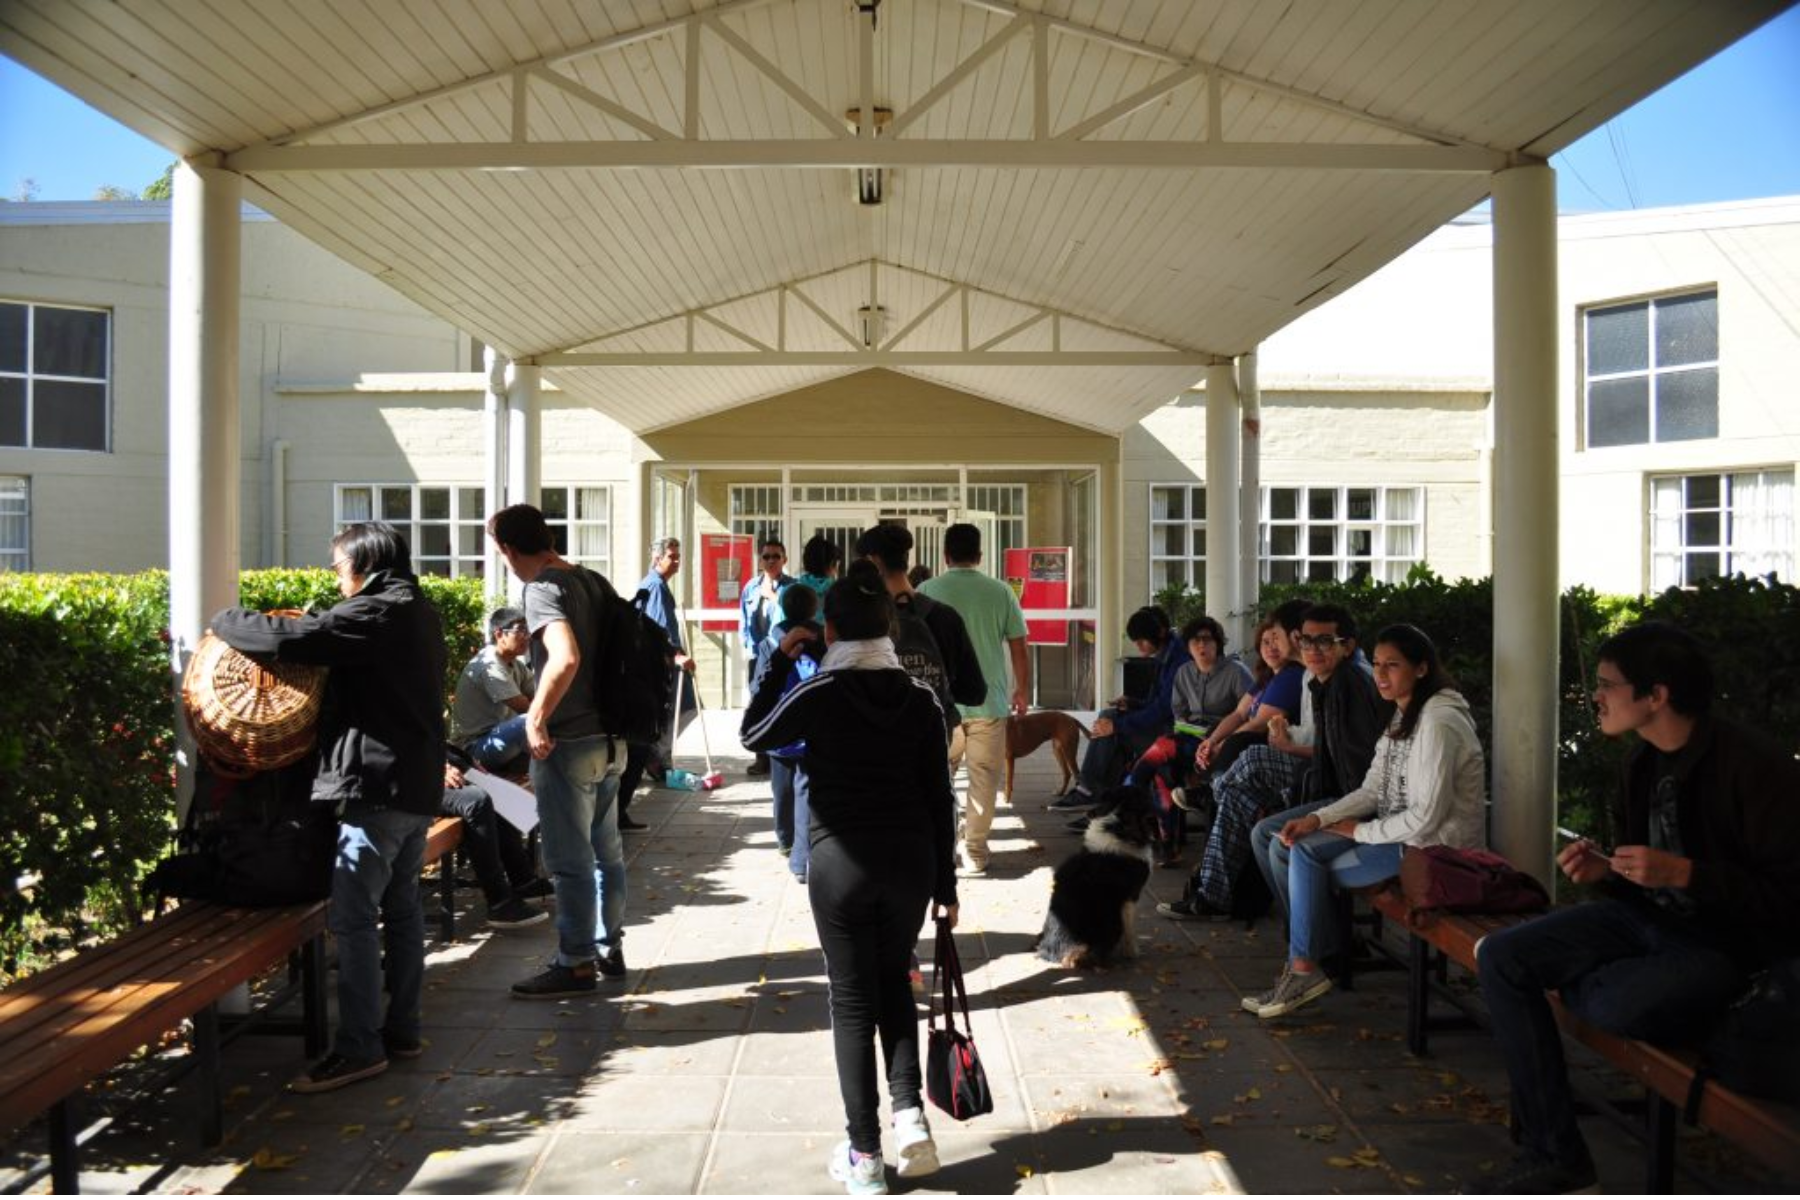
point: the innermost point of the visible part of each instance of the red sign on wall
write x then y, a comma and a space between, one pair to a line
1039, 576
727, 560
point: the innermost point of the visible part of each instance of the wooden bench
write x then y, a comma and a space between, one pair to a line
441, 842
1767, 1130
64, 1027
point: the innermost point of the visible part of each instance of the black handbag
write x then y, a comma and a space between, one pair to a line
954, 1079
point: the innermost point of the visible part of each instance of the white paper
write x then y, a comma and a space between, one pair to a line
510, 800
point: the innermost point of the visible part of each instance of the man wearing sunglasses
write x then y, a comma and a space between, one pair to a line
757, 611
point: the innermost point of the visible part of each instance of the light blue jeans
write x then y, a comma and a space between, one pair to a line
501, 744
1317, 863
576, 787
376, 883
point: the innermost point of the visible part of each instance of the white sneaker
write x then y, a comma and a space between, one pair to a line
968, 866
1254, 1004
915, 1154
1178, 797
1293, 991
860, 1176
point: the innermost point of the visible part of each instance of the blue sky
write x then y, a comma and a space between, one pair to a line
1728, 130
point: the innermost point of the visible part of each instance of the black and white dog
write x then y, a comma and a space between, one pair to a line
1094, 895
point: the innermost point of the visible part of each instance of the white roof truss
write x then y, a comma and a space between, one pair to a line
864, 136
952, 324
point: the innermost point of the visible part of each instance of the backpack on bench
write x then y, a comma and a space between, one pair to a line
255, 841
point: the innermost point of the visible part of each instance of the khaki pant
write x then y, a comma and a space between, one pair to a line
982, 740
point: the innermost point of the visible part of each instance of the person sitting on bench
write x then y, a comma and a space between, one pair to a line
1129, 728
1701, 890
493, 694
503, 864
1425, 787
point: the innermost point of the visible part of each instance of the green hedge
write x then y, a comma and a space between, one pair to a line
1751, 627
86, 739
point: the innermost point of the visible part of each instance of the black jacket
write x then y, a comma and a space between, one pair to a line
381, 734
1349, 716
1739, 812
876, 763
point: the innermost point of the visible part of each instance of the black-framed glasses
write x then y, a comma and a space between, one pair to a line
773, 557
1323, 641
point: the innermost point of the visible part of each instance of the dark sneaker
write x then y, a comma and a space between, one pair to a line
537, 888
335, 1071
401, 1047
515, 914
612, 963
1293, 990
556, 982
1534, 1175
1075, 797
1193, 908
628, 825
784, 848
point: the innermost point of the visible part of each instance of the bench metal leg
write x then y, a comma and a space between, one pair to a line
447, 895
1418, 993
1660, 1121
206, 1060
312, 995
65, 1155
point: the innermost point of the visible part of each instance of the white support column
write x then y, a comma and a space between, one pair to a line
493, 431
1223, 430
1249, 498
1109, 590
204, 454
524, 453
1527, 617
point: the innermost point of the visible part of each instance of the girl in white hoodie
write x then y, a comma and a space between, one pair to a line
1425, 787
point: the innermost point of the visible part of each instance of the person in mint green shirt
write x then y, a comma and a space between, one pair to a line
996, 624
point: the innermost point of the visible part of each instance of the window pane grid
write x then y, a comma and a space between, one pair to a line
443, 523
1318, 534
55, 391
1652, 371
15, 524
1702, 526
581, 530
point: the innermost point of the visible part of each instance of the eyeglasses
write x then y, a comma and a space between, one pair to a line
1602, 685
773, 557
1323, 641
519, 628
1203, 637
340, 564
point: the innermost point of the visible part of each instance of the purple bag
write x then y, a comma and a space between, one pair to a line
1438, 879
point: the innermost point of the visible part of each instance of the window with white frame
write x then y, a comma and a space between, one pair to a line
442, 522
756, 511
1177, 536
1652, 370
580, 520
1739, 522
1307, 534
53, 376
1007, 502
15, 523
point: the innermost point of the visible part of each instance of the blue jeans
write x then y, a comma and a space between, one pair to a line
1617, 964
1318, 862
501, 744
793, 809
1098, 762
376, 883
583, 851
1270, 856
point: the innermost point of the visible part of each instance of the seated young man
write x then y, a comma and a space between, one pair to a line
1127, 729
503, 866
493, 694
1347, 717
1701, 890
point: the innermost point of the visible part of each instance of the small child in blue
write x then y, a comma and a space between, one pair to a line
787, 774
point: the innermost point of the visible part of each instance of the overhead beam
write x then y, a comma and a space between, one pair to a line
846, 152
878, 358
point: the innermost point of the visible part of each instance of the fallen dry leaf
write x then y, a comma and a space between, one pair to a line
266, 1159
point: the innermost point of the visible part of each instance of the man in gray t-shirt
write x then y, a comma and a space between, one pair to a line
493, 694
574, 768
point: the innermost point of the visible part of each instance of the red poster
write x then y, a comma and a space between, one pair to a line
1039, 576
726, 561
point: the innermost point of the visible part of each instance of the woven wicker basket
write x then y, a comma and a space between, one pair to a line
251, 716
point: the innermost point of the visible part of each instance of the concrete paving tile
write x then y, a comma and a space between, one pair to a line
666, 1054
1104, 1100
622, 1163
1259, 1098
1122, 1158
800, 1056
535, 1052
600, 1011
723, 1018
283, 1159
440, 1162
792, 1008
1429, 1158
1274, 1159
638, 1102
390, 1096
502, 1104
758, 1163
772, 1104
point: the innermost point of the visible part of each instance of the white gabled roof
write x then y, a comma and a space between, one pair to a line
1179, 180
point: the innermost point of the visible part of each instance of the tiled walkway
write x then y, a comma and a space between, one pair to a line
710, 1070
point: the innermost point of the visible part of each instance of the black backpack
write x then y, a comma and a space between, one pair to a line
253, 842
917, 649
631, 671
1755, 1048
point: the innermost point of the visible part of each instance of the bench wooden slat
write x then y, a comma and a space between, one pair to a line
83, 1031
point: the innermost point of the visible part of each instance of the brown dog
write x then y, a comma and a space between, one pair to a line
1025, 734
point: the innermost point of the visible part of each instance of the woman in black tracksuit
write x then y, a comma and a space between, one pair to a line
882, 827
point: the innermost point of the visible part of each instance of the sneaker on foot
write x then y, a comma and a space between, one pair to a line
631, 825
612, 963
970, 865
1253, 1004
800, 878
1294, 990
335, 1071
1178, 797
515, 913
535, 888
556, 982
784, 848
1192, 908
861, 1174
401, 1047
915, 1154
1075, 797
1531, 1174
